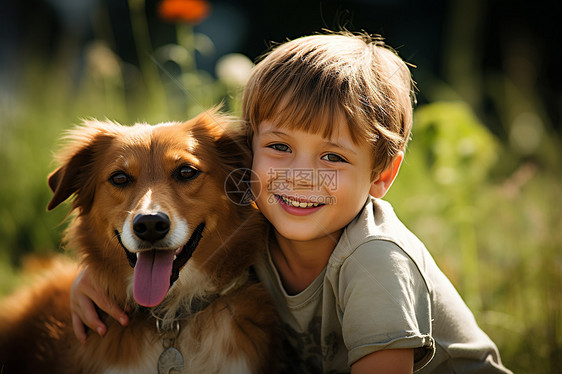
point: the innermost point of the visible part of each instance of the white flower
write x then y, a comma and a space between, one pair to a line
234, 69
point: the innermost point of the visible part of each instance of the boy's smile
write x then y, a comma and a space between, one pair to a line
311, 187
298, 207
296, 202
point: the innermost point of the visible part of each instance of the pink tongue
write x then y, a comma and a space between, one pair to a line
152, 277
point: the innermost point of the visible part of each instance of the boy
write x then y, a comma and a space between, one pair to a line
329, 117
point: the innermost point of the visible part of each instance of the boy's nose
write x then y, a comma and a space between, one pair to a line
303, 178
303, 172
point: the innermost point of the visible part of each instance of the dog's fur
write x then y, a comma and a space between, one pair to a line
116, 173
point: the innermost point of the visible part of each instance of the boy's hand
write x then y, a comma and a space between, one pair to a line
84, 297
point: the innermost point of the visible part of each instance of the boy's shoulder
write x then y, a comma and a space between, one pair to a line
377, 221
376, 234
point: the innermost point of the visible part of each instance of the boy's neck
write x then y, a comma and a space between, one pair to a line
300, 262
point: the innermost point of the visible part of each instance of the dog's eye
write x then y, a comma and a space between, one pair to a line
185, 173
120, 179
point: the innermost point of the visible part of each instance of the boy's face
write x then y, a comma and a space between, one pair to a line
311, 186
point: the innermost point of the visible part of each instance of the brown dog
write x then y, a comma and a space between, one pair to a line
158, 231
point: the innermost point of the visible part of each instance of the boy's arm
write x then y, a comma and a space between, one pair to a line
390, 361
84, 297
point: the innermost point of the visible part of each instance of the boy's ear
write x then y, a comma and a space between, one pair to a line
382, 183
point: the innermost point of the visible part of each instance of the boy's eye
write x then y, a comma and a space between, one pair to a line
279, 147
332, 157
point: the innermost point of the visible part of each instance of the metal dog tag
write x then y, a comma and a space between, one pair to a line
170, 361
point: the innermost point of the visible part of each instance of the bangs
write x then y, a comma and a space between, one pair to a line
315, 83
314, 105
309, 113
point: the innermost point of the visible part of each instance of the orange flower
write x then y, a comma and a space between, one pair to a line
193, 11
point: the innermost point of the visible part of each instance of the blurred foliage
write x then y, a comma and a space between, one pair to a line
491, 218
488, 209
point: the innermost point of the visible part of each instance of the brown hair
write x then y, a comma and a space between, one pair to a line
310, 82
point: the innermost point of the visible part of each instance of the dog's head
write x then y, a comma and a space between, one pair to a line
153, 198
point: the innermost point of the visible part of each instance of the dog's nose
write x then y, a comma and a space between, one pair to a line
151, 227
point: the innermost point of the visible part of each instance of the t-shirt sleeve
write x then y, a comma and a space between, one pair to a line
385, 303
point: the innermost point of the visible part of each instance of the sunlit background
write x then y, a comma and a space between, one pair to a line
481, 185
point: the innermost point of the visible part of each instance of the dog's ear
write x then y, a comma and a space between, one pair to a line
229, 135
68, 178
235, 155
77, 158
233, 147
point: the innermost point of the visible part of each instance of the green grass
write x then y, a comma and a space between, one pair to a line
491, 219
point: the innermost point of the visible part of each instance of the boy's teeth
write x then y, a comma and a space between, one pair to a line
298, 204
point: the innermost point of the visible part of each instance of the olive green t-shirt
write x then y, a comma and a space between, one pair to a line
380, 290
